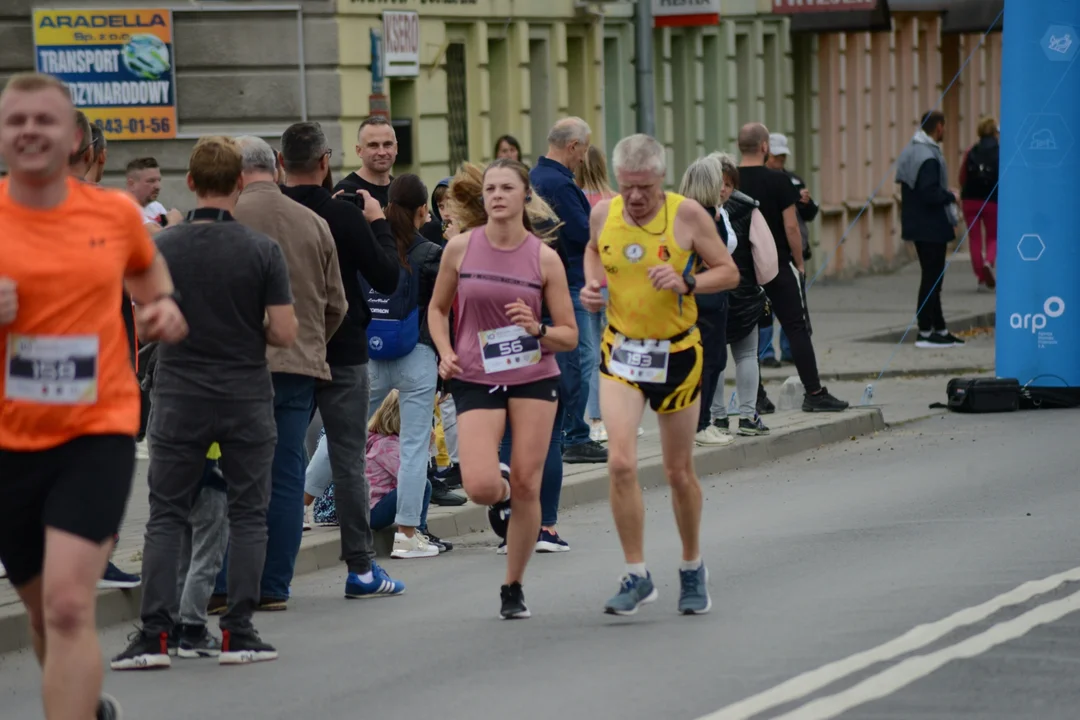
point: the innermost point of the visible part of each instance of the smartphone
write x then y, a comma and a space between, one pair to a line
355, 198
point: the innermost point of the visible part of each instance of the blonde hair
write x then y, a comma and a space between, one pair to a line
987, 127
215, 166
33, 82
592, 175
465, 203
703, 181
387, 419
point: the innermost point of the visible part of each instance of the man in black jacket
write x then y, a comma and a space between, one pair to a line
376, 146
928, 218
366, 249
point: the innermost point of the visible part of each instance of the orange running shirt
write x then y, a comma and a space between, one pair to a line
66, 370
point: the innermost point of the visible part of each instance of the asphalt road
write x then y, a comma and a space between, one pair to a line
813, 560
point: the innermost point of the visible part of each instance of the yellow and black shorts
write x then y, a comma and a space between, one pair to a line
683, 383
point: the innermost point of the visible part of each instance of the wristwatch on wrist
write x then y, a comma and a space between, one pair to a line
691, 283
542, 332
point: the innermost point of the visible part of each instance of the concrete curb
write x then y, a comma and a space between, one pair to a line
957, 324
321, 547
779, 375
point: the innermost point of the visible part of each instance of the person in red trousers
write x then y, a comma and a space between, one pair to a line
979, 193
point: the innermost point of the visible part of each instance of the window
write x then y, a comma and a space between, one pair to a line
499, 79
715, 107
457, 116
744, 76
685, 114
614, 101
577, 74
774, 101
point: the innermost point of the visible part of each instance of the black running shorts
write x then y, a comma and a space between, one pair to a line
80, 487
474, 396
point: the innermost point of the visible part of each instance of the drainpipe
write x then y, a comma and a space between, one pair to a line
643, 68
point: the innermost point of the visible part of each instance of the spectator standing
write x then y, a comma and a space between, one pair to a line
377, 148
508, 146
806, 211
553, 180
592, 178
777, 199
928, 218
365, 249
214, 386
315, 278
978, 196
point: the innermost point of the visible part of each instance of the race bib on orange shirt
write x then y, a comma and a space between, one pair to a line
52, 370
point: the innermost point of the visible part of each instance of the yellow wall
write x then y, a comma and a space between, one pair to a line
527, 63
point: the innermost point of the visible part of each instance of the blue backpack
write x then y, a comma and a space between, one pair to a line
395, 319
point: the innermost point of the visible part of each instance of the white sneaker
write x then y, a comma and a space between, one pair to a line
713, 436
640, 431
3, 571
417, 546
598, 433
309, 516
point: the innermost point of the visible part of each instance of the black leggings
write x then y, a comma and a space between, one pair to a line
932, 261
712, 320
786, 297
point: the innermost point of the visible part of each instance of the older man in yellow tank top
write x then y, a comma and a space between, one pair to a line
657, 249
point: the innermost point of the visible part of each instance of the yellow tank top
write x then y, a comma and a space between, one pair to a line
635, 307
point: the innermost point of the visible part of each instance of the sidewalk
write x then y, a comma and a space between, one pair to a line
844, 315
857, 325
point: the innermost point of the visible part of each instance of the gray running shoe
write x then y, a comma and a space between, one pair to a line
634, 592
197, 642
109, 708
694, 591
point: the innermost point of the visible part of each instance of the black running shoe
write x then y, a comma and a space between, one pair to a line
442, 495
109, 708
752, 427
513, 602
197, 642
585, 453
452, 476
822, 402
770, 362
144, 652
443, 545
765, 406
499, 513
936, 340
243, 648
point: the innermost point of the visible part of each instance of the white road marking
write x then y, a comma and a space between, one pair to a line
914, 639
913, 668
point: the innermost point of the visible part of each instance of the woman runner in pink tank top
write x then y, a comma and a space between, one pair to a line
502, 362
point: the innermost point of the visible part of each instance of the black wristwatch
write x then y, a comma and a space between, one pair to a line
691, 283
543, 331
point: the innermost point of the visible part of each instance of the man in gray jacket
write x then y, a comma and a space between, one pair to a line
928, 218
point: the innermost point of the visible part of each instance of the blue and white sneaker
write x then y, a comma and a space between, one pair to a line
499, 513
634, 592
114, 577
501, 550
694, 591
381, 585
550, 542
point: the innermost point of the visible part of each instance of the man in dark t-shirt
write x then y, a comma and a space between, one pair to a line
777, 198
214, 386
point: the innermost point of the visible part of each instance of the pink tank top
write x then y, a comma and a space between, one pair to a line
491, 350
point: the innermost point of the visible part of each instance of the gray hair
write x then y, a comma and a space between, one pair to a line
303, 146
639, 153
703, 181
258, 155
727, 162
568, 130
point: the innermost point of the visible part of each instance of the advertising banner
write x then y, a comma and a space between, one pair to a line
118, 65
1038, 292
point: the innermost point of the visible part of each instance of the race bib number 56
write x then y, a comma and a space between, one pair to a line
640, 361
507, 348
52, 370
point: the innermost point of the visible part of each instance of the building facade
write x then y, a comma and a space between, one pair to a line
847, 87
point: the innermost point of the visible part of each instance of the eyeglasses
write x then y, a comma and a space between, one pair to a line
328, 153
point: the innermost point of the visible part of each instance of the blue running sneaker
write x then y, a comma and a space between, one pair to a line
499, 513
634, 592
694, 591
381, 585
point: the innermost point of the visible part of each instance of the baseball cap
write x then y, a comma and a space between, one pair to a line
778, 144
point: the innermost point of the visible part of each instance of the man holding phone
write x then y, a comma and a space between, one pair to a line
377, 148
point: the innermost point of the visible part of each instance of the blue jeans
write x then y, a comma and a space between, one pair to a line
384, 514
551, 480
577, 368
765, 342
294, 396
597, 323
414, 376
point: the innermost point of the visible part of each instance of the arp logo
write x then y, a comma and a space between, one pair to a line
1053, 307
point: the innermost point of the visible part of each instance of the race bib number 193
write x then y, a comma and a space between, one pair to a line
53, 370
640, 361
507, 348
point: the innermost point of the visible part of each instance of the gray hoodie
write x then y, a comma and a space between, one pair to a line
922, 148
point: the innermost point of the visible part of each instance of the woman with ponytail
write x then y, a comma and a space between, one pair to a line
500, 365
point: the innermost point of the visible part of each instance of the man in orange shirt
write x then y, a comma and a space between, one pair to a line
69, 402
